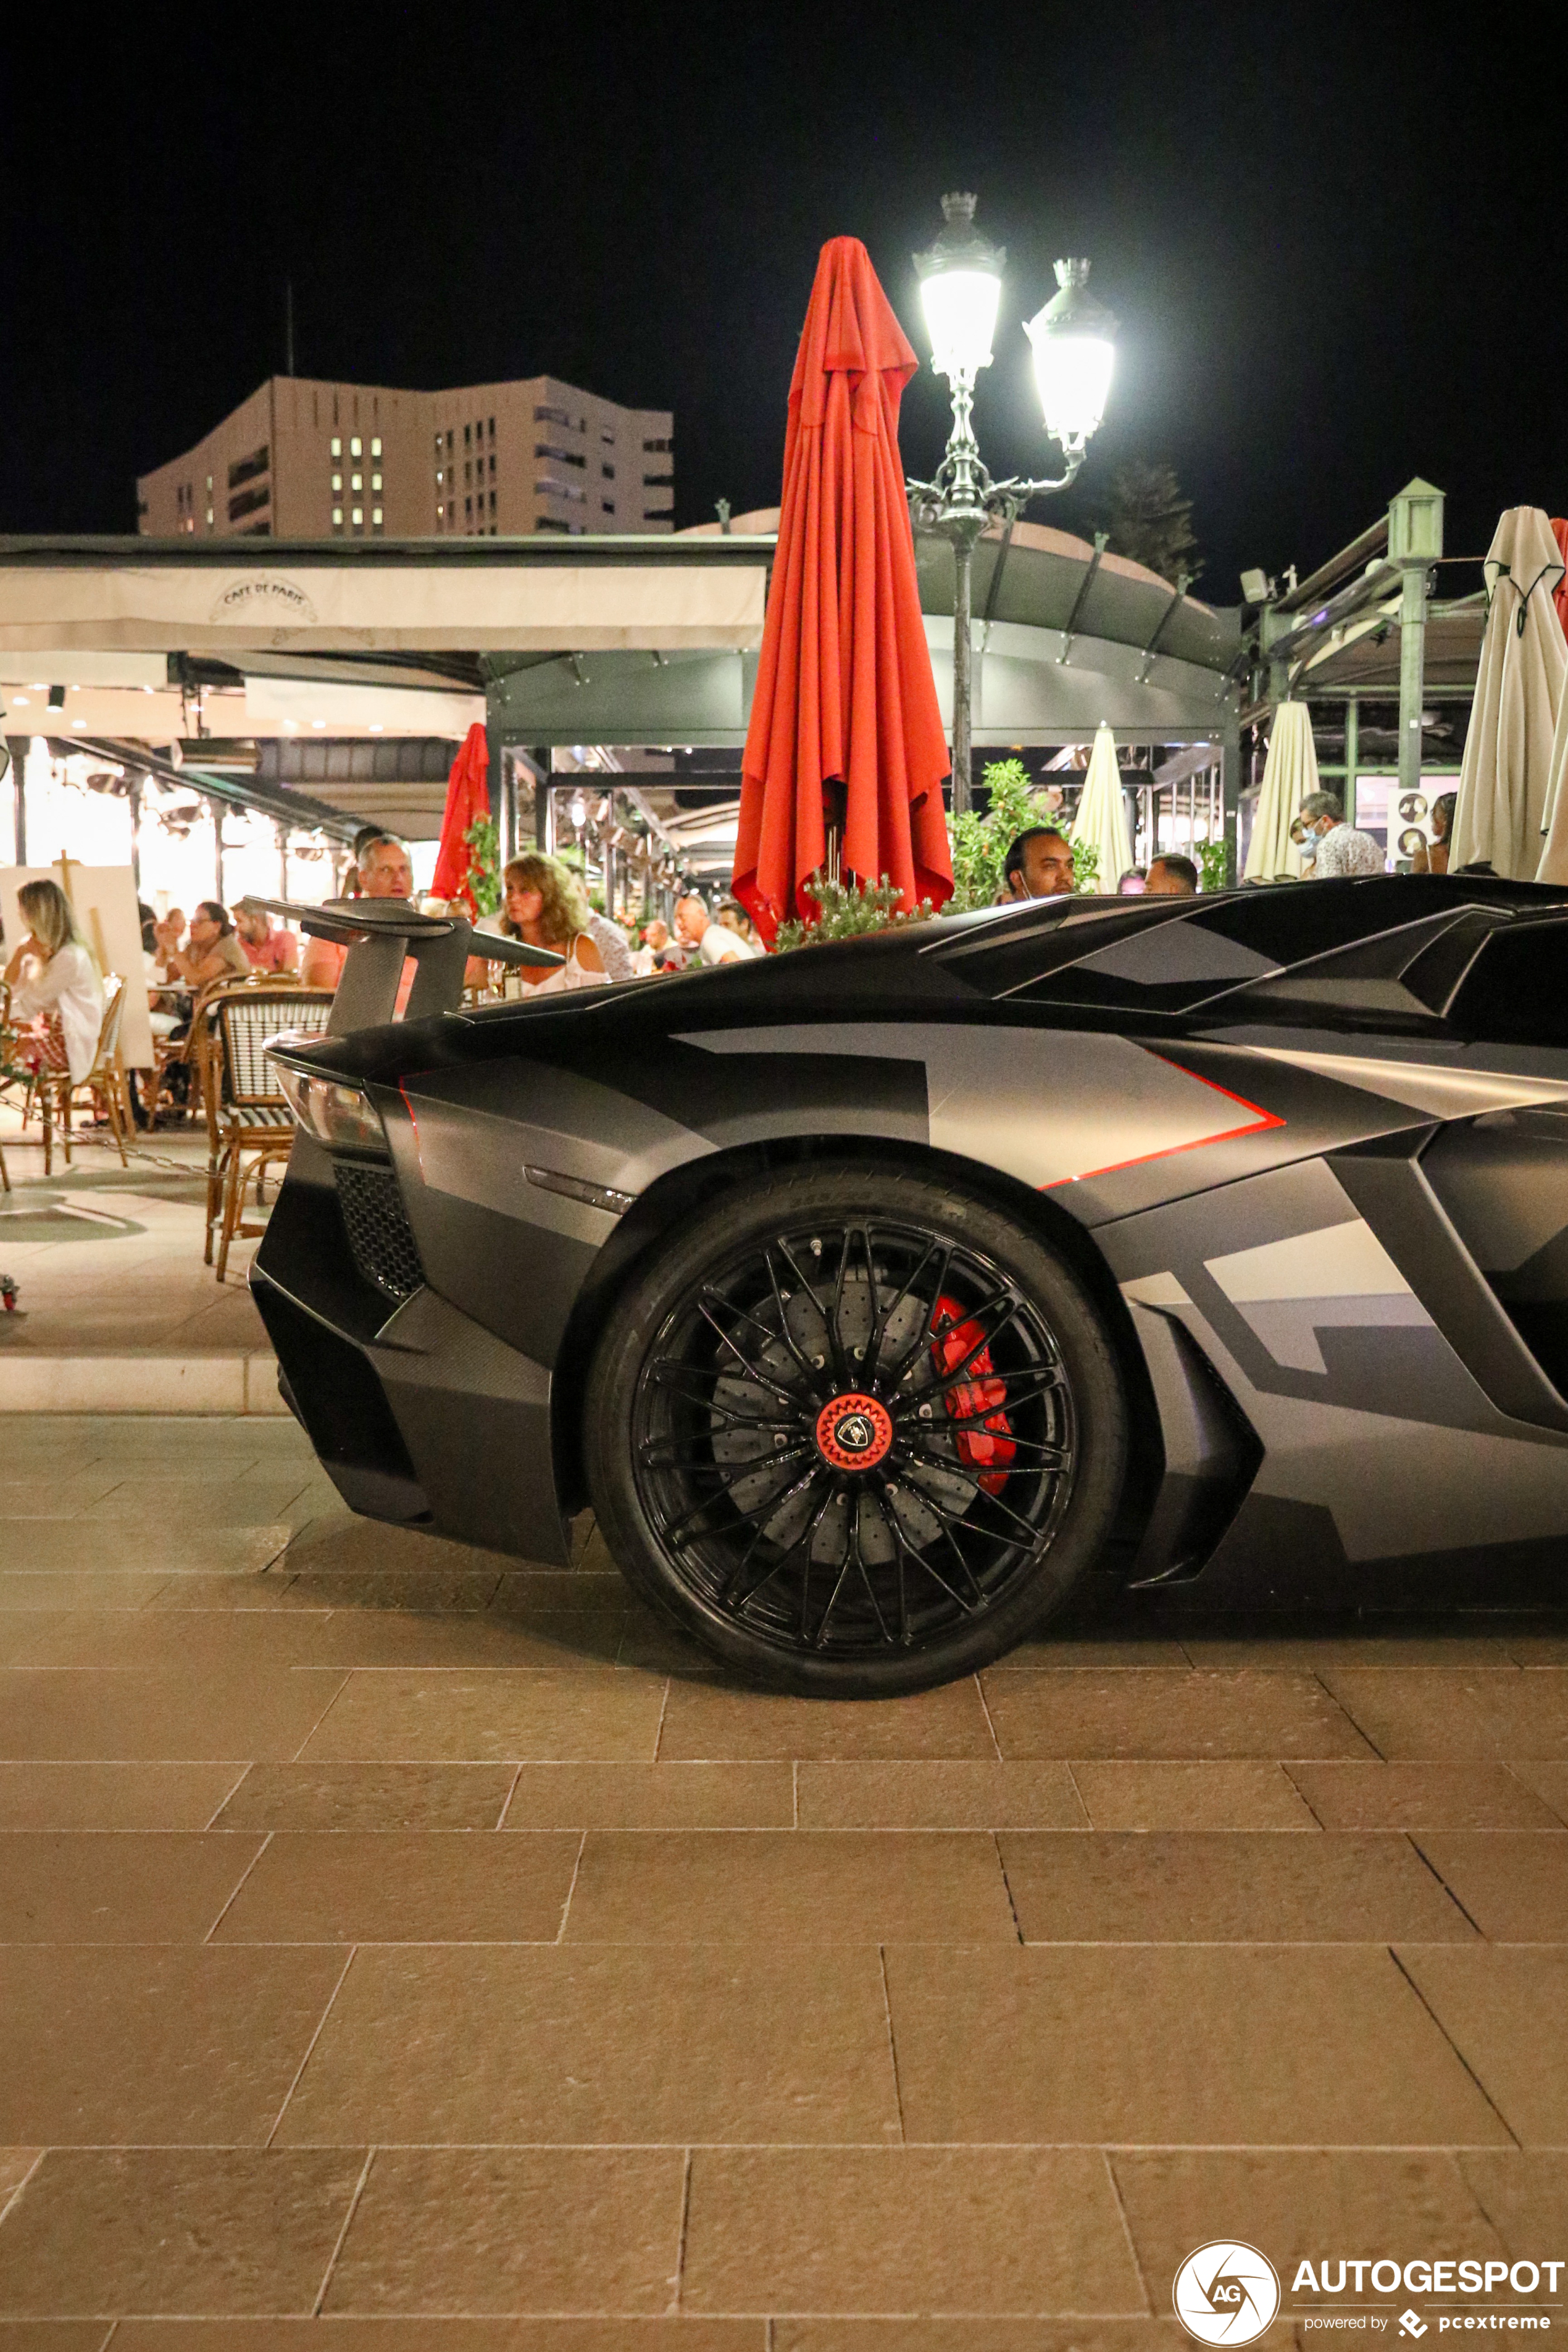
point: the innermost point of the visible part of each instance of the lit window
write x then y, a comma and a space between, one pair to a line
337, 446
356, 482
359, 518
357, 447
439, 438
375, 481
439, 477
209, 517
440, 510
337, 481
375, 446
209, 481
376, 517
337, 518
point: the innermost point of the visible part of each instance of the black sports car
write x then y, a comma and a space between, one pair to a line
877, 1295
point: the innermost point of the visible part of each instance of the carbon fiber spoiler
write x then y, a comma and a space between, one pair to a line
380, 934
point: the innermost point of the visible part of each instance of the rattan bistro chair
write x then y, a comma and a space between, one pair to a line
57, 1089
250, 1125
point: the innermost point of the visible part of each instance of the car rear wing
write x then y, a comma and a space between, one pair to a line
380, 934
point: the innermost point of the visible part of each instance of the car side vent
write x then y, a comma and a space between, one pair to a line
380, 1234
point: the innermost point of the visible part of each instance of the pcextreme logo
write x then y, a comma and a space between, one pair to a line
1226, 2292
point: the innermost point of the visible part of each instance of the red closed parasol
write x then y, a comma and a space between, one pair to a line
468, 804
844, 693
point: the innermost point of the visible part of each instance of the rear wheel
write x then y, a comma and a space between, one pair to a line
855, 1432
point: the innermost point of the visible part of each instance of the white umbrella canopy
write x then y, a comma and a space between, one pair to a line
1505, 782
1290, 777
1102, 816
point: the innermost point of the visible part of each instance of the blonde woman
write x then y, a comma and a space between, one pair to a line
61, 997
544, 904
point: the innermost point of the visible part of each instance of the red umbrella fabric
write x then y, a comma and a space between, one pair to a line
1559, 594
468, 802
845, 692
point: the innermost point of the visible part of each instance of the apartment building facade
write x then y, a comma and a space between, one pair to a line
306, 459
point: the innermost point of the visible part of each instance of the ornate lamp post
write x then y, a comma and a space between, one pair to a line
961, 283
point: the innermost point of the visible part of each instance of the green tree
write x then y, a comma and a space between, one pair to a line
980, 844
1151, 521
483, 838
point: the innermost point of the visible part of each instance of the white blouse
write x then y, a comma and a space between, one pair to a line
67, 984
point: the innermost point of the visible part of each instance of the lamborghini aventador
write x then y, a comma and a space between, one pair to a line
879, 1296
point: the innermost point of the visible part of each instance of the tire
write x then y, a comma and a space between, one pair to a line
855, 1432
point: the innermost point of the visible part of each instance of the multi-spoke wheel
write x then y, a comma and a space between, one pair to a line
858, 1433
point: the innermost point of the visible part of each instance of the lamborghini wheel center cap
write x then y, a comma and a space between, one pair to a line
853, 1432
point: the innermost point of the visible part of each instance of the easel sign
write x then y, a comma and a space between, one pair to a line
103, 900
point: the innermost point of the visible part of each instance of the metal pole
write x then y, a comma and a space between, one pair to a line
133, 802
1353, 753
17, 745
962, 581
216, 808
1412, 665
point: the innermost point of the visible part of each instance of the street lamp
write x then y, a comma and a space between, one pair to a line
961, 285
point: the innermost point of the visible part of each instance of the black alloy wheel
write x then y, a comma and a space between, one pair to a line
855, 1432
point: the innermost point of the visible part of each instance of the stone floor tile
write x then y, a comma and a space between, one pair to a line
1446, 1716
54, 2335
1473, 1796
514, 2230
716, 1720
1178, 2045
23, 1629
1164, 1793
1548, 1782
86, 1886
1512, 1882
392, 1887
1411, 1648
656, 1647
1184, 1714
373, 1548
189, 1716
545, 1641
1505, 2010
114, 1796
652, 1797
90, 2232
1524, 2197
1298, 2204
87, 1543
341, 2335
793, 1886
1071, 1653
701, 2043
210, 1639
1538, 1648
426, 1590
123, 2044
924, 2230
43, 1497
16, 2164
368, 1797
253, 1500
271, 1588
1237, 1886
524, 1591
998, 2335
82, 1588
484, 1718
938, 1793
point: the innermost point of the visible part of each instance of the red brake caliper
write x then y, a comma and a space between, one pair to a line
985, 1443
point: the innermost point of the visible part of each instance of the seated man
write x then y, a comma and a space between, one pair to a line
267, 948
709, 942
1341, 848
1038, 864
1171, 876
385, 871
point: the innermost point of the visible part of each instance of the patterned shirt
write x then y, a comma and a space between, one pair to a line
1343, 850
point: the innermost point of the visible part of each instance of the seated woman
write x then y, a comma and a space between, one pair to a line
212, 952
56, 990
545, 904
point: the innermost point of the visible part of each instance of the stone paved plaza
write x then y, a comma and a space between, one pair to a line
404, 1948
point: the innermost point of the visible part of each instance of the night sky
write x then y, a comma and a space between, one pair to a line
1331, 235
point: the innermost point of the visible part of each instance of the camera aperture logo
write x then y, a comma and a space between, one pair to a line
1226, 2292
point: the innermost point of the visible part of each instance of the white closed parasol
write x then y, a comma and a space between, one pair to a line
1290, 777
1505, 782
1102, 818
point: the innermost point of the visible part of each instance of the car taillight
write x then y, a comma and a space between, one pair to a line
341, 1116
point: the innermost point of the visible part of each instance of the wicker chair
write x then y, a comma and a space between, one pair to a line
57, 1089
250, 1125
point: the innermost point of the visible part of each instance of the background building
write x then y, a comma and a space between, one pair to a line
303, 460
